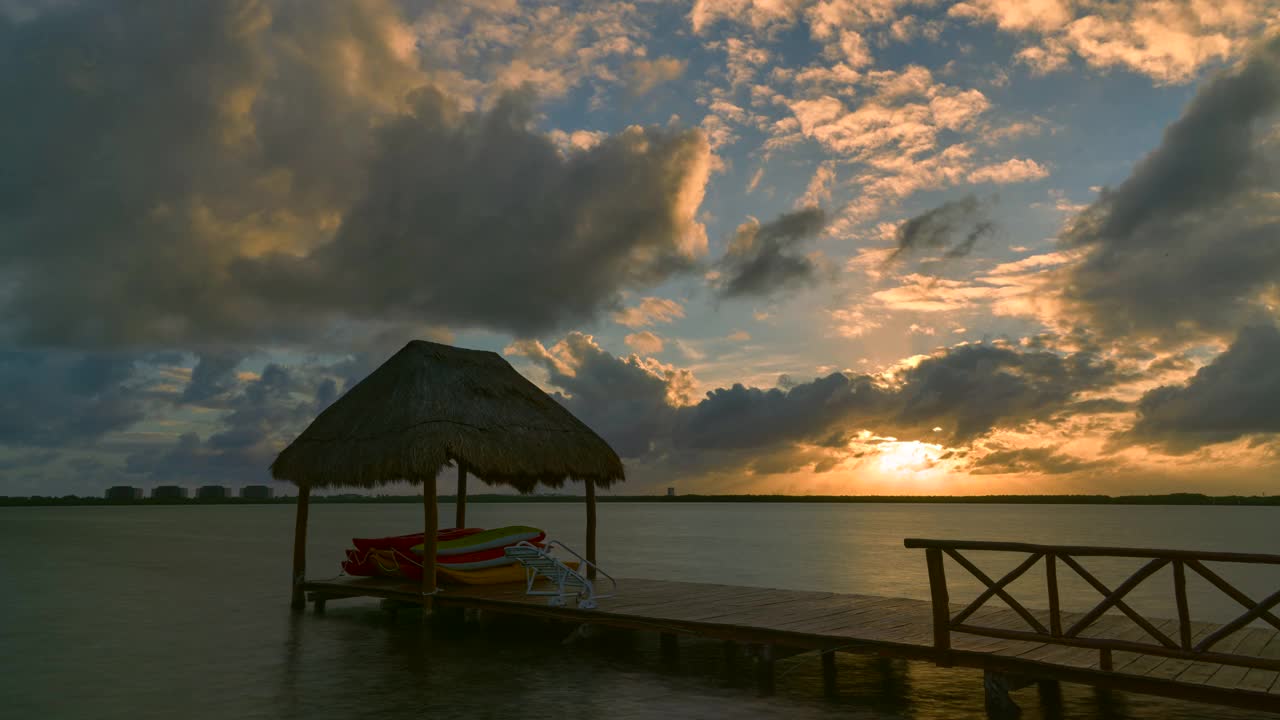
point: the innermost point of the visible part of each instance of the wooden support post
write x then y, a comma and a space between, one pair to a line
460, 514
319, 604
729, 651
591, 529
995, 688
431, 520
298, 601
829, 674
669, 647
1104, 659
764, 670
941, 603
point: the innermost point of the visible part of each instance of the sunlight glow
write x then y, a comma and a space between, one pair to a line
908, 457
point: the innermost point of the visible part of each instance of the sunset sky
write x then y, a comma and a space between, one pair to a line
835, 247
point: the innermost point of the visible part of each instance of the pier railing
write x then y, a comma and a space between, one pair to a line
1189, 644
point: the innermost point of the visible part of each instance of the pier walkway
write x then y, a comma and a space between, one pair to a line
1234, 664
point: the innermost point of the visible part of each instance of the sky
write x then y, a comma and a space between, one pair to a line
791, 246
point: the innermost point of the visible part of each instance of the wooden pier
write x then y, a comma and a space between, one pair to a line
1233, 664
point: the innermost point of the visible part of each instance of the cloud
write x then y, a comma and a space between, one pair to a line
1196, 218
1167, 41
212, 377
650, 311
852, 322
262, 417
649, 74
482, 48
758, 14
906, 113
644, 342
1033, 460
630, 401
555, 239
906, 131
289, 174
819, 189
1013, 16
966, 391
954, 227
762, 259
1236, 395
569, 142
647, 410
1013, 170
57, 399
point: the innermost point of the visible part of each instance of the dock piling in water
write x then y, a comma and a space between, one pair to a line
764, 670
829, 674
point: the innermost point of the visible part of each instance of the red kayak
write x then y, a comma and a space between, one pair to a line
407, 565
403, 543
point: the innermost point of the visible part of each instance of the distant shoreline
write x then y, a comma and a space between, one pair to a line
1171, 499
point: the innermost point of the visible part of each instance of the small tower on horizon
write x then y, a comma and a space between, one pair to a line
671, 492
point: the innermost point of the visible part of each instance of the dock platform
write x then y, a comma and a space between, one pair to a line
776, 619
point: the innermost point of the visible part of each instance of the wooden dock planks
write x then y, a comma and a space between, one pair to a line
898, 627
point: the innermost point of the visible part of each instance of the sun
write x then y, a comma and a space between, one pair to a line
911, 456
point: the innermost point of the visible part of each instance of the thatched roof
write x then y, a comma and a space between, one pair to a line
431, 405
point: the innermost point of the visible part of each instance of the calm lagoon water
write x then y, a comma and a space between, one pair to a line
181, 612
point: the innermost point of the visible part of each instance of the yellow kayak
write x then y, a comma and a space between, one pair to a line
486, 576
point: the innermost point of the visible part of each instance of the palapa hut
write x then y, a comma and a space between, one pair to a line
433, 405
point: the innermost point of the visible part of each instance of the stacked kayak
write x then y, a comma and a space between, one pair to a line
468, 556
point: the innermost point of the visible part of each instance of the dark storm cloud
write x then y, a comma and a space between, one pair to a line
1188, 243
213, 376
476, 220
764, 260
1099, 405
1237, 394
626, 399
741, 417
966, 391
176, 170
264, 414
55, 399
972, 389
954, 226
1041, 460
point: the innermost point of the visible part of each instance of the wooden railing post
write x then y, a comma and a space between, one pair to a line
941, 603
1051, 580
1243, 651
1180, 598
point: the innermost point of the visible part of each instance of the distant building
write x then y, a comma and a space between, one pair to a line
257, 492
169, 492
212, 492
671, 492
124, 492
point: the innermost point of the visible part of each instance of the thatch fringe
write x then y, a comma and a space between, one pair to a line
431, 405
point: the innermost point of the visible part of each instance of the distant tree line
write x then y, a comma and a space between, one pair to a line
1169, 499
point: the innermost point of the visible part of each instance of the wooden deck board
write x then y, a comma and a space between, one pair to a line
1252, 642
890, 626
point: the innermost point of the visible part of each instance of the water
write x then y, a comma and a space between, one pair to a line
164, 612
